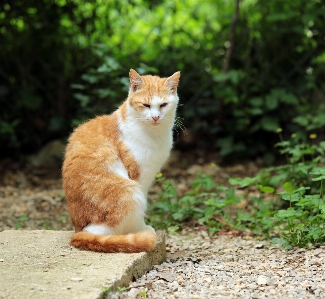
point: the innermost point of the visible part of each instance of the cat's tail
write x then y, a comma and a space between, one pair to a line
130, 243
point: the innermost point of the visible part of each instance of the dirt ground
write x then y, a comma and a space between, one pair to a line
33, 198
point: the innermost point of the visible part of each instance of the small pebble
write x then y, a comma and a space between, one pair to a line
76, 278
259, 246
262, 280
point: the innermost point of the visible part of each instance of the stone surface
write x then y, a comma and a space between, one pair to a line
42, 264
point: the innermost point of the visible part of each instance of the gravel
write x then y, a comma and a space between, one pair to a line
32, 198
230, 267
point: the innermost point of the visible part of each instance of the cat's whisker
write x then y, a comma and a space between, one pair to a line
179, 124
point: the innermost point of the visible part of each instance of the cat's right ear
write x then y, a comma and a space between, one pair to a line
135, 81
172, 81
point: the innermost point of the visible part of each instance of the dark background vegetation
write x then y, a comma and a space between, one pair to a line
247, 69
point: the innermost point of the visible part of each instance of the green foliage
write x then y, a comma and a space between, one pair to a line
66, 61
294, 217
21, 222
310, 120
303, 221
212, 205
44, 224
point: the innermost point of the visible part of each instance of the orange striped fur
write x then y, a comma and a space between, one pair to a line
110, 162
131, 243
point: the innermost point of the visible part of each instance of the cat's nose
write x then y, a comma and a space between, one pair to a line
155, 118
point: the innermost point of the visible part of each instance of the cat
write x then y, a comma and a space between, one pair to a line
112, 160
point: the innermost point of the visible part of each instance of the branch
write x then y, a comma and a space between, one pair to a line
231, 38
229, 52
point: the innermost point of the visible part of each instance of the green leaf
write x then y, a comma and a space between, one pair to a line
322, 208
305, 201
289, 213
256, 101
104, 92
187, 199
23, 218
203, 182
315, 233
301, 120
289, 98
215, 203
243, 182
302, 189
322, 177
255, 111
269, 123
90, 78
231, 75
279, 241
226, 145
103, 69
271, 102
84, 99
221, 77
282, 144
77, 86
245, 217
178, 215
290, 197
288, 187
322, 145
266, 189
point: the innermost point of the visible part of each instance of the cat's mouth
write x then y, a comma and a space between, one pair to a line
155, 122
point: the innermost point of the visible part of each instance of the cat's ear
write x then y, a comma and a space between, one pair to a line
135, 80
172, 81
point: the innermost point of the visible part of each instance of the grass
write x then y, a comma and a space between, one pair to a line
289, 209
21, 222
24, 222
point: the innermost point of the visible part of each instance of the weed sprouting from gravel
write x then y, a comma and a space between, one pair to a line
21, 221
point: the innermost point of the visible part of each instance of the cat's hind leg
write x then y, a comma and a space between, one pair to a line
131, 234
133, 222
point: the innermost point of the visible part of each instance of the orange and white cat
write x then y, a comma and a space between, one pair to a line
112, 160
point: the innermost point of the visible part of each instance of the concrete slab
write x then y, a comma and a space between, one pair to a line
42, 264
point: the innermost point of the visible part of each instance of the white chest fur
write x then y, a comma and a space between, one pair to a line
149, 146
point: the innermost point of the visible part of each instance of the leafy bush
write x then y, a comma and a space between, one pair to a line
65, 61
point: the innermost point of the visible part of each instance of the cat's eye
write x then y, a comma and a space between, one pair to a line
163, 105
146, 105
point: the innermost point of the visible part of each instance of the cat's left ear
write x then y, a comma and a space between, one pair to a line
135, 80
172, 81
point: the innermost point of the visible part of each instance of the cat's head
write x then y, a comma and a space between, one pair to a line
152, 99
